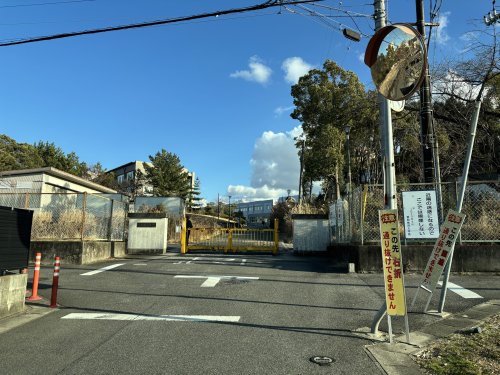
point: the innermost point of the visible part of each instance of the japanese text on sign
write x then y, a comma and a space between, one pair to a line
392, 263
442, 248
420, 214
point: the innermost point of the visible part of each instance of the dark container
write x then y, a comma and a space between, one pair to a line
15, 235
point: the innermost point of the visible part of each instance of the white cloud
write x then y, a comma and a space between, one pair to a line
280, 110
441, 34
294, 68
454, 84
275, 167
247, 193
470, 36
258, 72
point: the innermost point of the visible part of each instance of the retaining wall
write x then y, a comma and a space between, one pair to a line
12, 294
77, 252
466, 258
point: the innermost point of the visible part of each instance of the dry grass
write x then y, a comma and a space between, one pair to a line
465, 354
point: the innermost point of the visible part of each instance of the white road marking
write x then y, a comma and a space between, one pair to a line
101, 269
168, 318
462, 292
212, 281
140, 264
212, 260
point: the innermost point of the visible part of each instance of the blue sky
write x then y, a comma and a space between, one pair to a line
216, 92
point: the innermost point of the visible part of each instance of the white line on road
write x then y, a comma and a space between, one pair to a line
101, 269
168, 318
212, 281
140, 264
462, 292
243, 262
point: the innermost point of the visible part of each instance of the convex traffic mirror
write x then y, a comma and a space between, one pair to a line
397, 57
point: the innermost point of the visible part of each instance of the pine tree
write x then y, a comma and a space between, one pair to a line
193, 201
167, 176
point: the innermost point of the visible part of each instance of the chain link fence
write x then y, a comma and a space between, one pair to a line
71, 216
481, 205
173, 207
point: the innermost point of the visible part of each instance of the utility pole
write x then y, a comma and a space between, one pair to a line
426, 126
301, 169
430, 148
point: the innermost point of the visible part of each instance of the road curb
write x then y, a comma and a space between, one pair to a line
395, 359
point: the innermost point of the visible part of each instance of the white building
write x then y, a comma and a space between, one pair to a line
47, 180
126, 174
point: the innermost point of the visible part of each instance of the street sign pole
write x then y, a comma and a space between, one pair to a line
465, 172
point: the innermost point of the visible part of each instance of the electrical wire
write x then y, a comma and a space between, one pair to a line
326, 20
348, 12
264, 5
51, 3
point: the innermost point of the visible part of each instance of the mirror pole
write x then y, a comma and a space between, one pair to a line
388, 149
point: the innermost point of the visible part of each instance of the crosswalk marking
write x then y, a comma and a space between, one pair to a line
90, 273
212, 281
462, 292
137, 317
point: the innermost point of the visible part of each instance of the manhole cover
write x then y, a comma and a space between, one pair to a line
321, 360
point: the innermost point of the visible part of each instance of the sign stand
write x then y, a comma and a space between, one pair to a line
440, 254
416, 295
407, 328
389, 324
392, 261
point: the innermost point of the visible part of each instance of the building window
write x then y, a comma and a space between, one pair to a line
130, 175
120, 179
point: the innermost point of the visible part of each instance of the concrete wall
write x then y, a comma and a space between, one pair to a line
118, 249
12, 294
466, 258
311, 233
147, 233
76, 252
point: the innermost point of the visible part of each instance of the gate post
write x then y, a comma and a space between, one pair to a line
276, 240
230, 239
183, 236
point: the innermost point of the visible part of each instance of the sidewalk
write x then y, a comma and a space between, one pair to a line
395, 359
33, 310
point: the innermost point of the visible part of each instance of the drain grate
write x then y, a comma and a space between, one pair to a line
321, 360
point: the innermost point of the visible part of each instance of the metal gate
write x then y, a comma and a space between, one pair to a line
229, 239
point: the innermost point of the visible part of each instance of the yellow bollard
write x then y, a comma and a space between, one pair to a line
276, 239
183, 237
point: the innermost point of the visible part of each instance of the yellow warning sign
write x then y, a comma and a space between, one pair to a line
392, 262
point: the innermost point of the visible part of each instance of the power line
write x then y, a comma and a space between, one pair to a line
86, 20
326, 20
51, 3
265, 5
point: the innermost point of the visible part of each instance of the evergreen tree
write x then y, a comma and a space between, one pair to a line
53, 156
167, 176
193, 201
98, 174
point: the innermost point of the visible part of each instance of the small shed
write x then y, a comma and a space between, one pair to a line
311, 233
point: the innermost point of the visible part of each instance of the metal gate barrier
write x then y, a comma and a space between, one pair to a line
229, 239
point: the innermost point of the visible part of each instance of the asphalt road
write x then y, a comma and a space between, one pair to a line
299, 307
